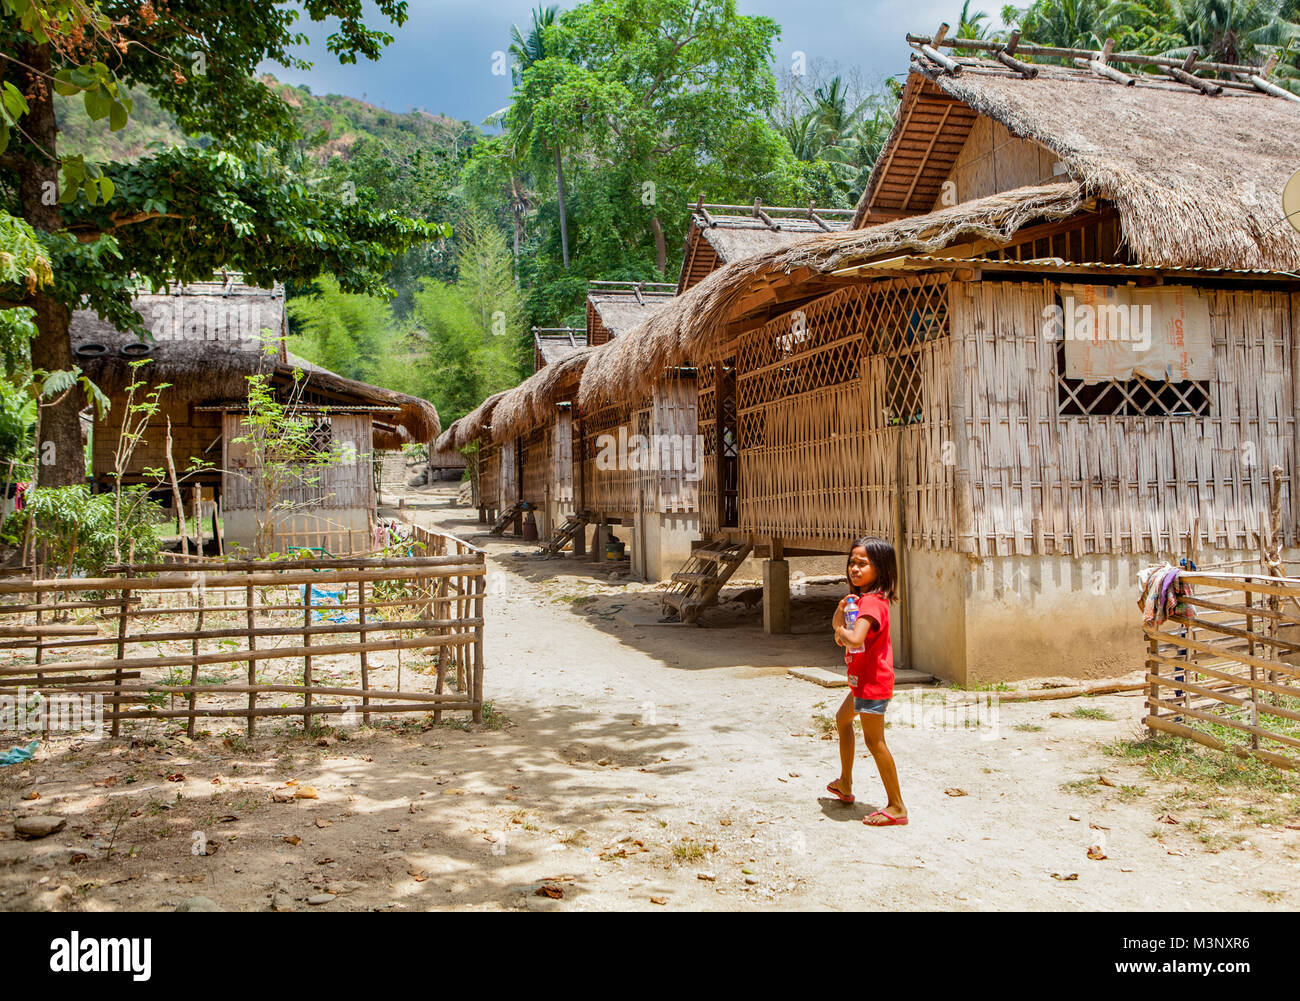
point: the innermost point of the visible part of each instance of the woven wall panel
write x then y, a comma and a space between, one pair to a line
1041, 482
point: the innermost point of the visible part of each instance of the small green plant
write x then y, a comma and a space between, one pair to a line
689, 850
1090, 712
826, 728
1028, 727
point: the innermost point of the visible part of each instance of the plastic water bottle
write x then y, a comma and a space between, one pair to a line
850, 617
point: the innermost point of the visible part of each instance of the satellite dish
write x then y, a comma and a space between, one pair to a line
1291, 200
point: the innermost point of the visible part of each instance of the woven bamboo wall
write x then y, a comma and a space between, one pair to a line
536, 459
610, 491
561, 435
833, 400
707, 421
342, 485
489, 476
509, 490
674, 420
1051, 484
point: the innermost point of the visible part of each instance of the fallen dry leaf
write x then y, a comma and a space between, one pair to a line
418, 875
1065, 877
292, 839
229, 818
323, 860
280, 796
305, 792
554, 892
659, 900
110, 781
323, 823
175, 777
1102, 780
1096, 854
950, 792
32, 795
1168, 819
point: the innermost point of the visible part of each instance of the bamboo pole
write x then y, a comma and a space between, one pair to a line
121, 644
194, 669
64, 584
365, 667
306, 660
250, 599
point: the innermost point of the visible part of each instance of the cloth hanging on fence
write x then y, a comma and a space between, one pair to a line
17, 755
327, 597
1164, 593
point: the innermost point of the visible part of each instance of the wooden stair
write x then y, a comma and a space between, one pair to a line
696, 585
563, 535
507, 516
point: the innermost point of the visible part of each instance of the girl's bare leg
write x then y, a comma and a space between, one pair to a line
844, 726
873, 729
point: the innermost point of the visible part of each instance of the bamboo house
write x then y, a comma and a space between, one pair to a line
958, 373
207, 339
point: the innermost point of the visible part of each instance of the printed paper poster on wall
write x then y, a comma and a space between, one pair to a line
1117, 332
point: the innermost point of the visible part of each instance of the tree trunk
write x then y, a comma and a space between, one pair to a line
661, 249
564, 225
60, 460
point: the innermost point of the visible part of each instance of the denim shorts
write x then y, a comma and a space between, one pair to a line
876, 706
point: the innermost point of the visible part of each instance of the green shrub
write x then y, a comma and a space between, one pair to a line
73, 528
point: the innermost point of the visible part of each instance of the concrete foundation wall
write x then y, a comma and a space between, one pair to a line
667, 542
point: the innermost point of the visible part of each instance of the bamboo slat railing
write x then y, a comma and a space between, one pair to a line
1229, 676
323, 631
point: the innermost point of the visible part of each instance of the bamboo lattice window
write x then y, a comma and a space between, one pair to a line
611, 490
1136, 397
833, 402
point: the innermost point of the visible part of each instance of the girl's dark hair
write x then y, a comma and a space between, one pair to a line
881, 555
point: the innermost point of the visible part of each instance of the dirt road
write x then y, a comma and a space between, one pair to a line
646, 766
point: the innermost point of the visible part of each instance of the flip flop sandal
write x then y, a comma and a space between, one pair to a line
830, 788
890, 821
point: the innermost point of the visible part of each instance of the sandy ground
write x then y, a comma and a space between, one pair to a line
641, 766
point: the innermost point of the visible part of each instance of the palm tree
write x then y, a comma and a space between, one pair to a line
1229, 31
527, 50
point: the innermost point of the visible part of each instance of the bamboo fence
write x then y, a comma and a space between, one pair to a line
1229, 677
202, 639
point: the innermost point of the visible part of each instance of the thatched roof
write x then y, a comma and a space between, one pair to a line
737, 236
1197, 180
475, 425
206, 346
629, 366
620, 311
533, 401
553, 345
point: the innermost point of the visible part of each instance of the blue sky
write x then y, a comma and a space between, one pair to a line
442, 57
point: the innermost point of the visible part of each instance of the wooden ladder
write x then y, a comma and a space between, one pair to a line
506, 517
563, 535
696, 585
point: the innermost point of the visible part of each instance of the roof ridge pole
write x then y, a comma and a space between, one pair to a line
1101, 66
815, 217
935, 56
1195, 82
758, 211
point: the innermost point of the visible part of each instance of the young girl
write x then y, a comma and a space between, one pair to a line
872, 574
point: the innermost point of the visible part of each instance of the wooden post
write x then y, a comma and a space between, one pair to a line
1254, 669
250, 599
480, 588
900, 550
198, 516
40, 643
177, 500
365, 667
121, 647
194, 668
306, 660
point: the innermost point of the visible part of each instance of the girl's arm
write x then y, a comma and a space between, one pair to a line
856, 636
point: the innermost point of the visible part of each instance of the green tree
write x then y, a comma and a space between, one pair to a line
182, 213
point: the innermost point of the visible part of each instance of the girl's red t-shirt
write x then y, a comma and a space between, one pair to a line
871, 672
